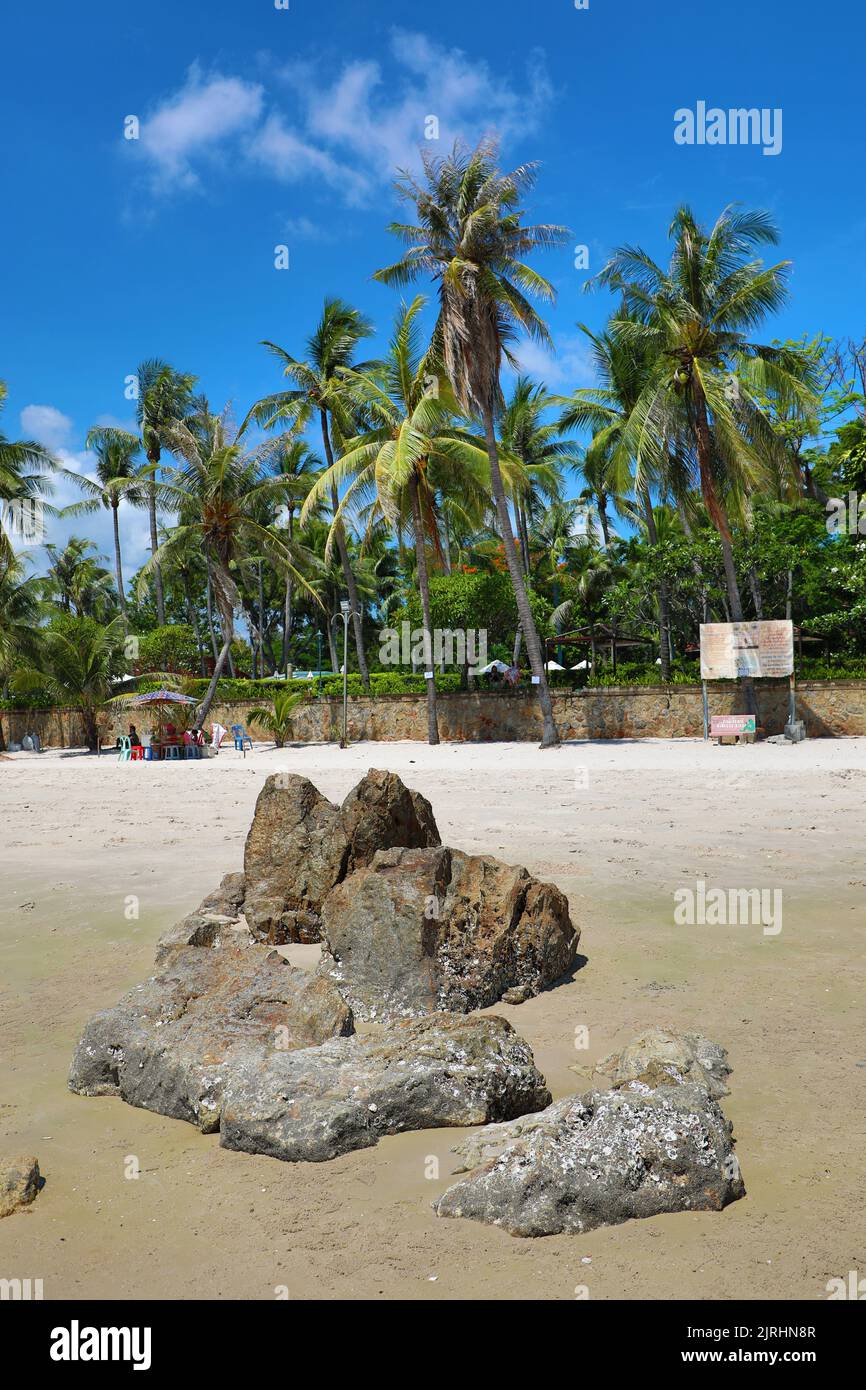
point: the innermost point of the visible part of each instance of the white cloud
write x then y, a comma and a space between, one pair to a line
46, 424
200, 120
566, 370
350, 131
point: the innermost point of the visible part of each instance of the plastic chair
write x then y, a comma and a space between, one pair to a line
125, 749
137, 753
171, 750
241, 737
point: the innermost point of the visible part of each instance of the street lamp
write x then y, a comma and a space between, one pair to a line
344, 613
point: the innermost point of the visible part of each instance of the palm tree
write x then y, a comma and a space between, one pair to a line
295, 461
410, 407
317, 392
469, 237
610, 471
692, 322
164, 396
78, 580
23, 464
115, 451
75, 664
278, 721
19, 613
216, 491
542, 452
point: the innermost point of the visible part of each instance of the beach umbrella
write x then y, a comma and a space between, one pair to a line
581, 666
160, 700
554, 666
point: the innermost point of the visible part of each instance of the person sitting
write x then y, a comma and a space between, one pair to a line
170, 734
134, 740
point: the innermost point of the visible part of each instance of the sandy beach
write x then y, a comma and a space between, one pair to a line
100, 857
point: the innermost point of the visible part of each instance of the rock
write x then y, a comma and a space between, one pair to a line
300, 845
218, 919
296, 850
658, 1057
345, 1094
19, 1183
598, 1160
424, 929
382, 813
172, 1043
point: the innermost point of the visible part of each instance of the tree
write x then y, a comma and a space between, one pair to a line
115, 451
77, 579
296, 462
19, 609
216, 492
75, 664
692, 324
278, 721
165, 396
317, 393
23, 465
410, 407
470, 238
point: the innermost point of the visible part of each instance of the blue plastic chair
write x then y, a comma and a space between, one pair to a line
241, 737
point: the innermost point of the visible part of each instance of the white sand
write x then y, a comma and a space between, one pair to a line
619, 827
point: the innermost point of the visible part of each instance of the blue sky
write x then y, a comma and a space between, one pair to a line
262, 126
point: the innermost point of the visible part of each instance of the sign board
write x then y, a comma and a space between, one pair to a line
729, 650
723, 725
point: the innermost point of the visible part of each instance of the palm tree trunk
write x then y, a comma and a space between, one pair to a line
349, 577
118, 566
203, 710
424, 587
261, 602
602, 516
550, 736
332, 648
663, 594
210, 623
154, 547
287, 610
192, 619
719, 517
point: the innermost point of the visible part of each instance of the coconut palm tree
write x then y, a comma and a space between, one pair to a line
296, 462
75, 664
470, 238
19, 614
542, 451
278, 721
77, 580
216, 491
116, 470
610, 471
692, 323
317, 393
23, 466
410, 408
164, 396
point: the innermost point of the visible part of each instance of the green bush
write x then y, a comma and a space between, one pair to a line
169, 648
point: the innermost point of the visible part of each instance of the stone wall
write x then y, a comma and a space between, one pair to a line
830, 709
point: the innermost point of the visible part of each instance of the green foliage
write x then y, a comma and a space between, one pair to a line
169, 648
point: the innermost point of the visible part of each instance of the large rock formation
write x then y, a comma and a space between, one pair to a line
300, 845
347, 1093
19, 1183
598, 1160
425, 929
658, 1141
172, 1042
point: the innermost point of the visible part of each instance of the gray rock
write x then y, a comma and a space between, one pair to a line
19, 1183
424, 929
658, 1057
296, 850
218, 919
171, 1043
382, 813
598, 1160
300, 845
324, 1101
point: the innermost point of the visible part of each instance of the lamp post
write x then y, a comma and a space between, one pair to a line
345, 613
